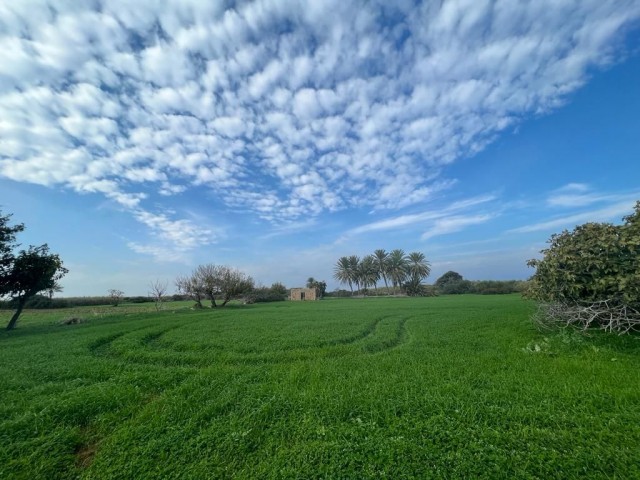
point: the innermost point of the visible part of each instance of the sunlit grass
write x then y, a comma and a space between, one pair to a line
449, 387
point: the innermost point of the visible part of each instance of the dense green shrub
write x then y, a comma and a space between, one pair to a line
498, 287
591, 275
276, 293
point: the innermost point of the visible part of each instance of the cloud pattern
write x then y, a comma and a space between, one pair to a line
283, 109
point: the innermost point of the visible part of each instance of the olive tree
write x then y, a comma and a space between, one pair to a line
211, 281
590, 276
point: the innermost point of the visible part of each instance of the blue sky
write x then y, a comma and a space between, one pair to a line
141, 139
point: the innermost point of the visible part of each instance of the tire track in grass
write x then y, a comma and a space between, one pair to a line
398, 338
383, 333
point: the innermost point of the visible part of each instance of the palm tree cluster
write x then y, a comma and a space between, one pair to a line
392, 267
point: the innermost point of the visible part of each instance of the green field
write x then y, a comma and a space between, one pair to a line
447, 387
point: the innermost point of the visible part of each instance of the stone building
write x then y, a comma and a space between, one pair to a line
298, 294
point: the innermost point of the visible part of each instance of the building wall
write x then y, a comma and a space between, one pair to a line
299, 294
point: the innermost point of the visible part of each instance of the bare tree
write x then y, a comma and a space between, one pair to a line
116, 296
157, 291
191, 287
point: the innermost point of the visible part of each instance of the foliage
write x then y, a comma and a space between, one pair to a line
29, 272
211, 281
452, 283
592, 264
276, 293
319, 286
279, 289
7, 245
448, 277
403, 271
414, 287
449, 387
498, 287
343, 272
190, 286
397, 268
367, 273
380, 257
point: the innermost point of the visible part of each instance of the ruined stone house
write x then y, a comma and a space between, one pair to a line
301, 294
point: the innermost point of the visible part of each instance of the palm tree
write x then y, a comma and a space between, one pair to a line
55, 288
368, 272
354, 271
342, 272
381, 256
418, 266
397, 268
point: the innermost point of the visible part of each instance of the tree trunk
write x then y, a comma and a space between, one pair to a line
385, 284
213, 302
14, 319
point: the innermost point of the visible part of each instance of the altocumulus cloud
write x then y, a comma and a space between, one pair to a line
279, 107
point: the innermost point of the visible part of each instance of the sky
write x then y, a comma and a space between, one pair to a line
141, 139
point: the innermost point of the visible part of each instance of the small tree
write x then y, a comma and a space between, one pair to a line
448, 277
30, 272
115, 296
157, 291
191, 287
233, 283
211, 281
208, 277
453, 283
34, 270
278, 288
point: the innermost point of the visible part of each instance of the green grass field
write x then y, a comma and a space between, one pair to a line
447, 387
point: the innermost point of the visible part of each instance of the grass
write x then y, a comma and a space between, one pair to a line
448, 387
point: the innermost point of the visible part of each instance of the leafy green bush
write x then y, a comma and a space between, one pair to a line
591, 275
266, 295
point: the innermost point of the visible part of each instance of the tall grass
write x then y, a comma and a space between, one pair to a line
447, 387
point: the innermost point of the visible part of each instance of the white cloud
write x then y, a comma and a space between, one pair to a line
455, 223
444, 220
576, 195
282, 109
609, 213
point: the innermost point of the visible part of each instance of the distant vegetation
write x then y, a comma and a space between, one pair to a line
405, 272
452, 283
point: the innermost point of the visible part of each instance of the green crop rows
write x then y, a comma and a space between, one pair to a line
448, 387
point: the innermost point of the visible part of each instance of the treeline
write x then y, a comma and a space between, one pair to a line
45, 302
452, 283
